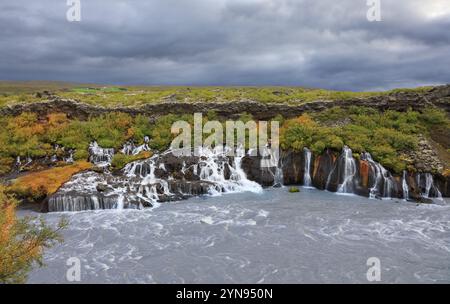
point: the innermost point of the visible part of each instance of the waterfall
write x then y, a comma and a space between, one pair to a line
272, 162
348, 172
212, 169
429, 189
428, 184
278, 176
148, 182
120, 202
70, 158
307, 175
405, 186
383, 184
99, 155
129, 148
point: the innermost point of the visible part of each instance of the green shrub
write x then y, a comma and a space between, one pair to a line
294, 190
119, 161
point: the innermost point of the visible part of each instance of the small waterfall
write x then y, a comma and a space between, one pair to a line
120, 202
69, 159
405, 186
99, 155
348, 172
130, 148
426, 183
29, 160
278, 177
272, 162
62, 203
307, 175
212, 166
383, 184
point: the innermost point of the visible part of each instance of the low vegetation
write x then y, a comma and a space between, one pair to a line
388, 136
120, 160
110, 96
37, 185
294, 190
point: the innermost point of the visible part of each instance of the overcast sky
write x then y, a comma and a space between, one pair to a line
314, 43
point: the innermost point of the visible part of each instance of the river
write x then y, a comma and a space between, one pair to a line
271, 237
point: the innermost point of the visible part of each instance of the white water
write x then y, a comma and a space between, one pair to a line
139, 183
429, 184
382, 177
99, 155
405, 186
349, 171
130, 148
212, 169
277, 237
307, 176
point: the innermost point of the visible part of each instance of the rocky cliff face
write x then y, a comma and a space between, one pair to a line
340, 172
166, 177
401, 101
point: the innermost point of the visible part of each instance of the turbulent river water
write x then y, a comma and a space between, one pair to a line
269, 237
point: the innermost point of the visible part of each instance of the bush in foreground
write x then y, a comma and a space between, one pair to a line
22, 241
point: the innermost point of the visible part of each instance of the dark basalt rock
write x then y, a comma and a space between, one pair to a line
323, 165
443, 183
252, 168
398, 101
293, 166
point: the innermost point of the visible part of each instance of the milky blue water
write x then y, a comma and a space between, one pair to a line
274, 237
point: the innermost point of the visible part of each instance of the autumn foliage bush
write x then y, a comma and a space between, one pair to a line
37, 185
22, 241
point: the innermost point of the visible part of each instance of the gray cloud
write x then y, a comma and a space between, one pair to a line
327, 43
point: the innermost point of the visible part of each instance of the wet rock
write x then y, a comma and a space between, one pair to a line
102, 187
323, 165
252, 168
293, 167
424, 200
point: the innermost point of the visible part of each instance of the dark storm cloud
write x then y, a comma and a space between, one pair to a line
326, 44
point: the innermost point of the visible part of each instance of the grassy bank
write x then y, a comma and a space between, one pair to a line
130, 96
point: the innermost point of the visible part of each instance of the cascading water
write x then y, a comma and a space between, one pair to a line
69, 159
425, 181
99, 155
145, 183
405, 186
349, 171
212, 166
130, 148
272, 162
383, 183
428, 184
307, 182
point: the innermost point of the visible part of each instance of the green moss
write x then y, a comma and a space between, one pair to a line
120, 160
294, 190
